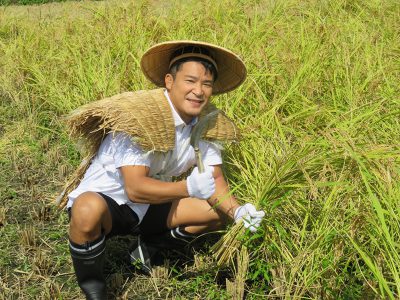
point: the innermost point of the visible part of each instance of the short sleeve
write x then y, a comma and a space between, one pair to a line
128, 153
211, 153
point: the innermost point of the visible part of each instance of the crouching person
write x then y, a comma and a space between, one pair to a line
140, 142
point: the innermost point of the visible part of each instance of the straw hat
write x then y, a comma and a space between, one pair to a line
231, 70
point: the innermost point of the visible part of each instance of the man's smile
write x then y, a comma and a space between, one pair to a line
197, 101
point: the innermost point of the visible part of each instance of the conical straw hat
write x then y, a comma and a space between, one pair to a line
231, 69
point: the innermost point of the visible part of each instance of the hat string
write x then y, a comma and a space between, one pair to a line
200, 55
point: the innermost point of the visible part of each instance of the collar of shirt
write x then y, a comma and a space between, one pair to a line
177, 119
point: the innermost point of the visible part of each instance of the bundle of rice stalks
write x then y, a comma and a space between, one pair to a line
226, 249
288, 173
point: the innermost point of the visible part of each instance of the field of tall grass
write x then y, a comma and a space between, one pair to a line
319, 112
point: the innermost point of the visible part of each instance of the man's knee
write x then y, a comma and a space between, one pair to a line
88, 211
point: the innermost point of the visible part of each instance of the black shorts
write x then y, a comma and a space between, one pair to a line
125, 220
155, 219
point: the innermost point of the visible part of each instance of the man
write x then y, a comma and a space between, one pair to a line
128, 190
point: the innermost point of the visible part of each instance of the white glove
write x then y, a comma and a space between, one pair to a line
201, 185
250, 216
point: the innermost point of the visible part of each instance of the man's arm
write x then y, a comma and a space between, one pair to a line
223, 200
141, 188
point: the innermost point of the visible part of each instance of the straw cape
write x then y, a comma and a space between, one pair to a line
156, 62
145, 115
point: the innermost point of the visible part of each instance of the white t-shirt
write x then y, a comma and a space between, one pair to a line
118, 149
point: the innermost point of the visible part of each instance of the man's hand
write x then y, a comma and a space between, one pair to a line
250, 216
201, 185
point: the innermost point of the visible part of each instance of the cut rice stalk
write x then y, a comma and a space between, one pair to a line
226, 249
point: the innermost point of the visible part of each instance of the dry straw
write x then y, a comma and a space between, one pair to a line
226, 249
145, 115
236, 288
229, 250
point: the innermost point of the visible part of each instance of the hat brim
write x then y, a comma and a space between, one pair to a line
231, 69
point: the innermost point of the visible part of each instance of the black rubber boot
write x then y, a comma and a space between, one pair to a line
88, 261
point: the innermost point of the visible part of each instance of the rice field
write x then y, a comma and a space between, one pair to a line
319, 112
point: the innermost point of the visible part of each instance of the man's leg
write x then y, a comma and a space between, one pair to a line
190, 217
181, 219
195, 216
173, 226
90, 222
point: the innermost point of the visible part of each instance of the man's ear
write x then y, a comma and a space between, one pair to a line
169, 80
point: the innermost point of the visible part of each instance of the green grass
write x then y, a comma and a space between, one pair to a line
320, 116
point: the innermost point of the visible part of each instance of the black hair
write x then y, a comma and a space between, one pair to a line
175, 67
206, 64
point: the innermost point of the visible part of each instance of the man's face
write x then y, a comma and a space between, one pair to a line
190, 90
